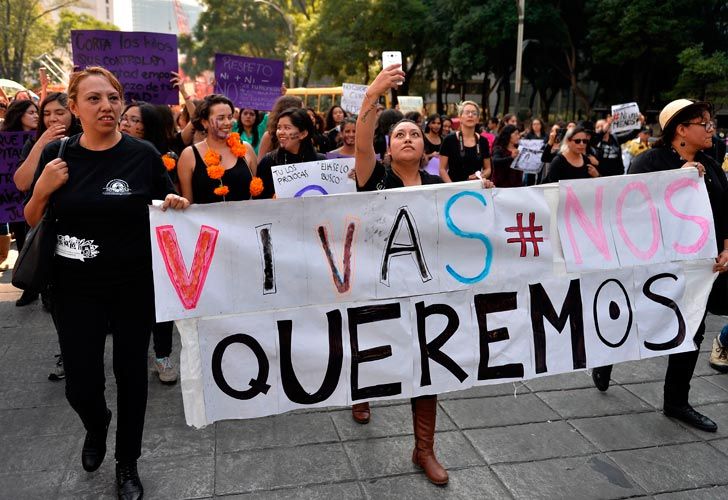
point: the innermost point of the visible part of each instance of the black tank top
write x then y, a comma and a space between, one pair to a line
237, 179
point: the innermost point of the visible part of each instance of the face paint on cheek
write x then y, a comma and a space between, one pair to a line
215, 126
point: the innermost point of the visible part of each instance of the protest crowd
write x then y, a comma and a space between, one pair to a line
95, 161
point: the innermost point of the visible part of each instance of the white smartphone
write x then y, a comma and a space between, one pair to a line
390, 57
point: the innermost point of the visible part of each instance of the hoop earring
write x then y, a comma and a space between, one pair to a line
682, 144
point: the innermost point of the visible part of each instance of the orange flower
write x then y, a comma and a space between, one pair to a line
221, 191
211, 158
256, 186
169, 162
233, 139
238, 150
215, 171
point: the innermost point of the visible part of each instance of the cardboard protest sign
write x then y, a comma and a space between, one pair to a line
425, 290
529, 156
142, 61
352, 96
410, 103
313, 178
247, 81
626, 117
11, 200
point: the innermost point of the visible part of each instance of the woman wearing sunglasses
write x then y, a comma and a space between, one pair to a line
572, 162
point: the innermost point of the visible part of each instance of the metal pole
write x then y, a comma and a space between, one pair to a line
521, 5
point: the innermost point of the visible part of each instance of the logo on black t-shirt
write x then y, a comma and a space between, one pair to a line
117, 187
71, 247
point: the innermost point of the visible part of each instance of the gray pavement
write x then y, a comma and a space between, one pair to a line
555, 437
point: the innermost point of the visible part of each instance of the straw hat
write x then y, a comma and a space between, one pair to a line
673, 108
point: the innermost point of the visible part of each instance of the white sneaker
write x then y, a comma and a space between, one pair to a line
719, 356
166, 370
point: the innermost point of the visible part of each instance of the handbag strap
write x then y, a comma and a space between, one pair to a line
62, 149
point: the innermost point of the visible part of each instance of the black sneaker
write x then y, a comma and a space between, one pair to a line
128, 484
94, 447
58, 372
687, 414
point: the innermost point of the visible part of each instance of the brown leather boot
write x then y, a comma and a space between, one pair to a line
360, 413
424, 416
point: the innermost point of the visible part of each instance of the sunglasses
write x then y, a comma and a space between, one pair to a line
580, 141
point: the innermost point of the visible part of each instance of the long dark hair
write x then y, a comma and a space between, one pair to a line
255, 133
330, 123
300, 119
62, 98
170, 130
430, 119
284, 102
504, 137
14, 115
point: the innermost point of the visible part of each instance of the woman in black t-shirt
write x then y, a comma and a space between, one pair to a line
407, 148
294, 135
465, 152
433, 136
102, 271
572, 163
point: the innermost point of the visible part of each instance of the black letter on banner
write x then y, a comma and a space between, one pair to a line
669, 303
541, 307
395, 249
491, 303
614, 313
360, 316
266, 254
432, 349
342, 283
258, 384
291, 386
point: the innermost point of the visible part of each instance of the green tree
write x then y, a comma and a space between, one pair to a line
25, 33
703, 77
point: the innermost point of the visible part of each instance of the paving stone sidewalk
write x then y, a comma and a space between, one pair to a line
555, 437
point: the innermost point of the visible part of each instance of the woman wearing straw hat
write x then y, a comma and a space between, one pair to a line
687, 130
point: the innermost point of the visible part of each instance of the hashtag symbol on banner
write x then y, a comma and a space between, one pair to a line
524, 240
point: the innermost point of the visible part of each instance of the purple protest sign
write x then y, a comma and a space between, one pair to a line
247, 81
141, 61
11, 200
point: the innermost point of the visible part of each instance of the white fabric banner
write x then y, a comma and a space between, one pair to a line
330, 300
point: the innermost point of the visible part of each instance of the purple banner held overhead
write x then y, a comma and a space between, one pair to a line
11, 200
141, 61
247, 81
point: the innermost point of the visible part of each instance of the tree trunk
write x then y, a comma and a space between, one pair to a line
506, 92
438, 90
485, 94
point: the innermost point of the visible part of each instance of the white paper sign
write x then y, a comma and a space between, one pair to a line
626, 117
409, 103
529, 156
352, 96
314, 178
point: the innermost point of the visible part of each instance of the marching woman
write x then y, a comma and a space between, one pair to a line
505, 151
572, 163
687, 130
222, 167
22, 116
251, 127
465, 152
102, 270
407, 149
433, 137
348, 134
294, 136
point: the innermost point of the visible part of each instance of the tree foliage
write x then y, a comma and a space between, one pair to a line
25, 33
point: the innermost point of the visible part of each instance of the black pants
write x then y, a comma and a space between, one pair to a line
83, 319
680, 368
19, 229
162, 335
